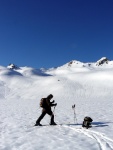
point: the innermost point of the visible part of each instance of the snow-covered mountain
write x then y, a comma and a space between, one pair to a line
88, 85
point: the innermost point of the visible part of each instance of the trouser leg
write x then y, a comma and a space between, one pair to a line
41, 117
52, 119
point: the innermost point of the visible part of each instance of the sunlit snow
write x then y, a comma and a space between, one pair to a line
87, 85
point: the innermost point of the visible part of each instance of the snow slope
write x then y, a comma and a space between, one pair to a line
88, 85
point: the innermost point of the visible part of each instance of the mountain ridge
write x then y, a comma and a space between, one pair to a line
73, 66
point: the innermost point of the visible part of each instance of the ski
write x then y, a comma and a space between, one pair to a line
48, 125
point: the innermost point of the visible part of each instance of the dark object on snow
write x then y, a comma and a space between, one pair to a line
87, 122
46, 109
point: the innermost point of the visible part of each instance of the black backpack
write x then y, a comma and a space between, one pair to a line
42, 102
87, 122
89, 119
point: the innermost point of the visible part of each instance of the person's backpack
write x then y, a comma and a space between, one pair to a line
42, 102
87, 122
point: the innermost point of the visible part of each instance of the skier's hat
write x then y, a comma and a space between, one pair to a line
50, 96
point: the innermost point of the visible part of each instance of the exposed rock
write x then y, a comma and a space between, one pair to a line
102, 61
12, 66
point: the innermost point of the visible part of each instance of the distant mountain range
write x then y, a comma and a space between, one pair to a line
73, 66
100, 62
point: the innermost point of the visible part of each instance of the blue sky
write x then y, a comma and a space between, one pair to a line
50, 33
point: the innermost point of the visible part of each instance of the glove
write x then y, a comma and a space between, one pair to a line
53, 101
56, 104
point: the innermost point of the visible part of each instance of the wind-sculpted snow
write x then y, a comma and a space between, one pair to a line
90, 88
9, 72
29, 72
22, 71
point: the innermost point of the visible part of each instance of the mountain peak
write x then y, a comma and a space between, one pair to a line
12, 66
74, 62
103, 60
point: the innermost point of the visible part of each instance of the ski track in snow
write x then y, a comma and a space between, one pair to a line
103, 141
19, 110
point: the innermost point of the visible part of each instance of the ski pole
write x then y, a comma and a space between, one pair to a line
73, 107
54, 109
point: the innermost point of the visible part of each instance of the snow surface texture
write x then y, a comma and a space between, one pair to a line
87, 85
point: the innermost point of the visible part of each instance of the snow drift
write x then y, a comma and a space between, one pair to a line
87, 85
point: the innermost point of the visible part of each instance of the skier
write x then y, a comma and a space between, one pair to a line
46, 109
